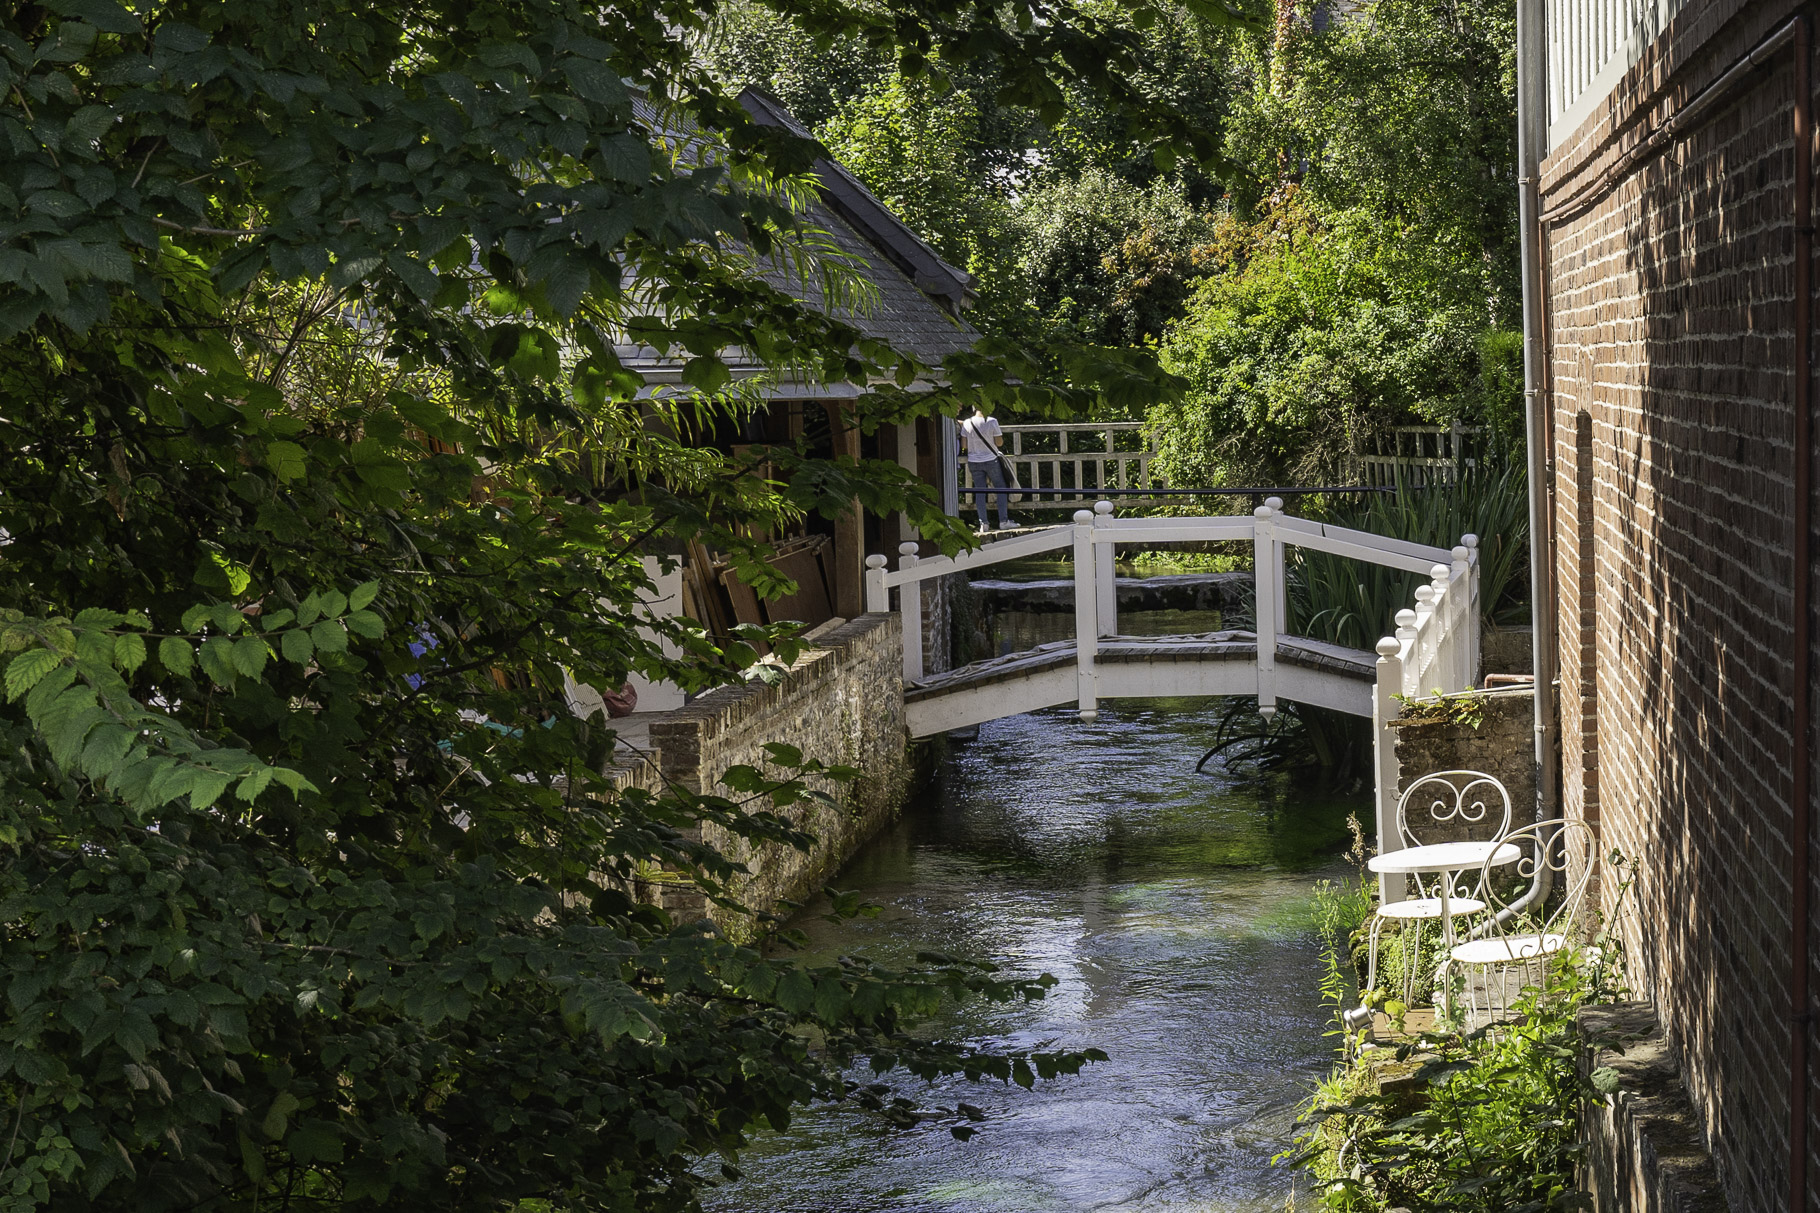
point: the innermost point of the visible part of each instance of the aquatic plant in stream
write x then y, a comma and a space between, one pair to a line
1301, 737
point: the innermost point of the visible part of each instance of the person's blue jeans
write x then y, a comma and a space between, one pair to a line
990, 474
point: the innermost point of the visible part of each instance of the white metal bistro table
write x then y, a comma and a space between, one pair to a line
1446, 858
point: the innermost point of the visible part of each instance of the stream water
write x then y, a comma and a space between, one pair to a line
1174, 909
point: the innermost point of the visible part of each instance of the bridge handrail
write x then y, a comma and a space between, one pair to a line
1361, 545
1016, 547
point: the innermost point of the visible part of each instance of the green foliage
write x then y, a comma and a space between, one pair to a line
1072, 231
750, 44
320, 473
1108, 261
1485, 1121
914, 147
1463, 708
1347, 602
1374, 281
1341, 908
1492, 1124
1406, 112
1301, 737
1322, 328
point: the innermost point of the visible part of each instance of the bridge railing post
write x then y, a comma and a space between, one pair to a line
910, 606
1086, 617
1267, 611
1466, 575
1279, 571
1105, 571
878, 597
1406, 667
1446, 627
1385, 708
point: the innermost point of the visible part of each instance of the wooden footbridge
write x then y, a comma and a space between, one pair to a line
1435, 645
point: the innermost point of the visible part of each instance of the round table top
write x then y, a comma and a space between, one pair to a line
1445, 857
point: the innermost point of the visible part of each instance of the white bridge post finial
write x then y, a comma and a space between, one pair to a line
1105, 571
1086, 618
1266, 585
910, 605
878, 597
1385, 708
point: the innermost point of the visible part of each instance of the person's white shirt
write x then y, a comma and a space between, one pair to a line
977, 432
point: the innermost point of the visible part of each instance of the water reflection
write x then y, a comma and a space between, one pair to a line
1174, 910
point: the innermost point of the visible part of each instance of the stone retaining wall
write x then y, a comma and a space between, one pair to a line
1503, 746
842, 702
1645, 1152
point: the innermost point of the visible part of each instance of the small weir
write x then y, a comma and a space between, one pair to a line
1174, 908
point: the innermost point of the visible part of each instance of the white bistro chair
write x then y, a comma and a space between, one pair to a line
1528, 924
1446, 806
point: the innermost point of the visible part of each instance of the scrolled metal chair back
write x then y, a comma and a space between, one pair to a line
1453, 806
1543, 891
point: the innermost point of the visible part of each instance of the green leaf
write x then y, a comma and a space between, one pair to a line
367, 624
249, 656
218, 661
252, 1158
87, 125
1606, 1080
283, 1104
206, 787
594, 82
286, 460
129, 651
298, 647
625, 157
108, 16
176, 655
330, 636
795, 991
363, 594
24, 671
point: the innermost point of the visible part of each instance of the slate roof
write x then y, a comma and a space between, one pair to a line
918, 299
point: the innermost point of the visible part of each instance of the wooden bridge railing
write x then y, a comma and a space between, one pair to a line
1435, 646
1065, 467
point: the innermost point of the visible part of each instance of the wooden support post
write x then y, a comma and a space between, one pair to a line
910, 606
904, 435
850, 527
1385, 707
1264, 580
1105, 573
1086, 617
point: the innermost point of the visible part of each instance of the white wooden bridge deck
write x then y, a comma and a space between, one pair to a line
1139, 667
1435, 646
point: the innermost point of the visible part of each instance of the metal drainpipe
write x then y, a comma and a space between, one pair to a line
1801, 823
1531, 130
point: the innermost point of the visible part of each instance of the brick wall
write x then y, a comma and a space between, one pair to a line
842, 703
1670, 314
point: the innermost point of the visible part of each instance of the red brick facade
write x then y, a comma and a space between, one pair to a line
1670, 314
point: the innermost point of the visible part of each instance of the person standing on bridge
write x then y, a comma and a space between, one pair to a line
981, 439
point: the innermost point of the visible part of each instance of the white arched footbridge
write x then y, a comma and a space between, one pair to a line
1435, 645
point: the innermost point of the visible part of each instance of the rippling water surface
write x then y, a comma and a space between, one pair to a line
1172, 907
